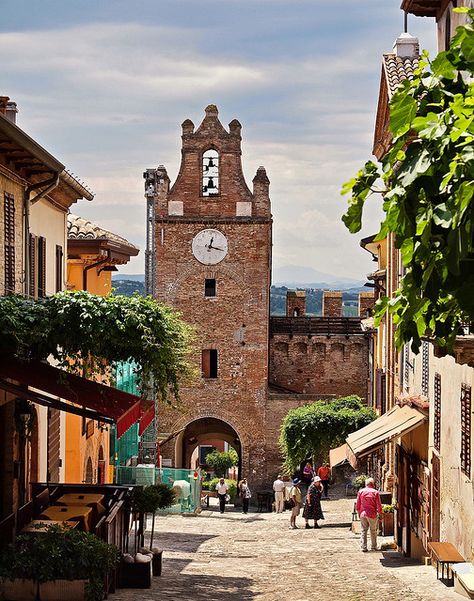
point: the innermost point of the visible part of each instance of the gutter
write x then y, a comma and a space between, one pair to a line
96, 264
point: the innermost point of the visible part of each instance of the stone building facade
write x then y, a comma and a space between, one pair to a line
213, 239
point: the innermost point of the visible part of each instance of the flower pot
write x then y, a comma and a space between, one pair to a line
18, 590
157, 562
59, 590
387, 524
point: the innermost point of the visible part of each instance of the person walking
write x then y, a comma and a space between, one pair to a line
324, 472
369, 507
295, 497
222, 489
245, 494
279, 490
312, 505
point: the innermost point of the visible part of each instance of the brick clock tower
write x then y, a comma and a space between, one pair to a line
212, 262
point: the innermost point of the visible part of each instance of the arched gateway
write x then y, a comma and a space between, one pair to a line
213, 257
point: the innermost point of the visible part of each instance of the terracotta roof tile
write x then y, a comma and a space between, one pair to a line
398, 69
79, 228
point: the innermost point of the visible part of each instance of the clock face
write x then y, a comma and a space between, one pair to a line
209, 247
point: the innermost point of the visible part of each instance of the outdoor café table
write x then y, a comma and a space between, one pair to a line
93, 500
79, 513
43, 525
445, 554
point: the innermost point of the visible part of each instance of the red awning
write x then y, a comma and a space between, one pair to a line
146, 419
122, 407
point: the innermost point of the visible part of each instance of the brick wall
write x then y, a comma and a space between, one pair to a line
332, 303
366, 304
326, 365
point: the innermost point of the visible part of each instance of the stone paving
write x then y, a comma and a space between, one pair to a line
236, 557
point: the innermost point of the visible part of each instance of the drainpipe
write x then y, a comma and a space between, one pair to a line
50, 184
86, 269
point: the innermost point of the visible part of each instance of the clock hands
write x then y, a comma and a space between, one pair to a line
210, 247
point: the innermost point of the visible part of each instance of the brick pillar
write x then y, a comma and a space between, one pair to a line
366, 303
295, 303
332, 303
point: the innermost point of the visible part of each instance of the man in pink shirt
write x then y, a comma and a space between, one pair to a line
369, 507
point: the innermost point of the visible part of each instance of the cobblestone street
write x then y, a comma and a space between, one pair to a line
240, 557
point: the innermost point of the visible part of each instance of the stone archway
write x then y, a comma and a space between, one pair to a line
200, 431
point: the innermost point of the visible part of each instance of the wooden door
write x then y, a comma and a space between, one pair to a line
435, 501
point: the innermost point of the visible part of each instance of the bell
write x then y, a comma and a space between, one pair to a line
210, 183
204, 189
206, 168
211, 163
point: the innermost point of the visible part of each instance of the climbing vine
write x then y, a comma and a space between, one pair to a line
427, 180
312, 430
87, 333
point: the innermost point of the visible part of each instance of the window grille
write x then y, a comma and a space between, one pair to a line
466, 430
437, 412
406, 365
32, 281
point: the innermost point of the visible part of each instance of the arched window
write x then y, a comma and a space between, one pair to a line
210, 173
89, 471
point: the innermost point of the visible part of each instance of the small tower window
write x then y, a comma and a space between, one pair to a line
210, 287
210, 173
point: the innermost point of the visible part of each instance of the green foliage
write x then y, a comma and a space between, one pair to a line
388, 508
232, 484
60, 553
428, 188
359, 481
149, 499
74, 326
312, 430
222, 461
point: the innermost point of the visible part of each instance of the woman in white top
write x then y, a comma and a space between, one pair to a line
222, 490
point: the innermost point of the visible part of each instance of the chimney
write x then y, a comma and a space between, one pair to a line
11, 111
366, 304
295, 303
406, 46
332, 303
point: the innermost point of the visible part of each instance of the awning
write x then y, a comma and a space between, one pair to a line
96, 401
146, 419
394, 423
338, 455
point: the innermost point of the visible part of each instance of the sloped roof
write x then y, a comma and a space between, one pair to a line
421, 8
398, 69
79, 228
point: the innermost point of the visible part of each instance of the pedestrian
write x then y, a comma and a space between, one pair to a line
295, 499
279, 489
324, 472
369, 507
312, 505
245, 494
222, 489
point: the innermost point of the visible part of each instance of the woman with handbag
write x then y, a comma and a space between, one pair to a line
245, 494
312, 505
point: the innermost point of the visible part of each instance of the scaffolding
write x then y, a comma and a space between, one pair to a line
151, 179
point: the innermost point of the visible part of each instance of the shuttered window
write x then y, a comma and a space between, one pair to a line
9, 243
59, 268
425, 370
41, 266
437, 412
466, 430
209, 363
33, 276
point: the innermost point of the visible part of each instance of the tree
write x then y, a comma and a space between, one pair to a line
72, 327
427, 185
222, 461
312, 430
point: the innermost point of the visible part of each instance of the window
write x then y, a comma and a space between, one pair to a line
466, 430
41, 266
437, 412
210, 173
209, 363
9, 243
425, 371
406, 365
210, 287
59, 268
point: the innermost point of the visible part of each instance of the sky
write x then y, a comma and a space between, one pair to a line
105, 84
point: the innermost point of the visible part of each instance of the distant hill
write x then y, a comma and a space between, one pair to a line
128, 287
133, 277
295, 276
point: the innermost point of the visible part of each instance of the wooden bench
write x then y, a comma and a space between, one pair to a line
445, 554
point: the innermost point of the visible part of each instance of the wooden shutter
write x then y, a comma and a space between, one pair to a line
466, 430
33, 268
437, 413
206, 363
59, 268
41, 266
9, 243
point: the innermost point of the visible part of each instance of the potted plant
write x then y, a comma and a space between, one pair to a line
359, 481
387, 521
17, 578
